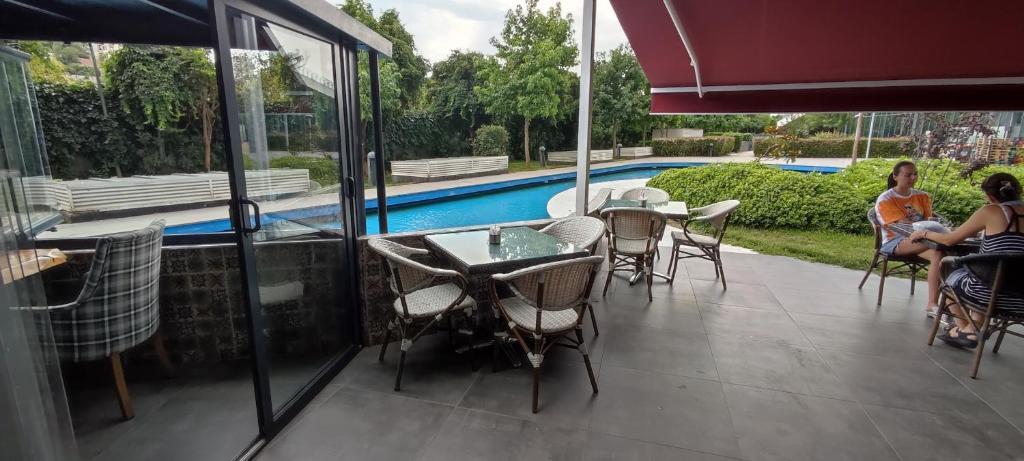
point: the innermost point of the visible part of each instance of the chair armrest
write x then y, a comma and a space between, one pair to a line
949, 263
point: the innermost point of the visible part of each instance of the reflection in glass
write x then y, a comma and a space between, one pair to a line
286, 93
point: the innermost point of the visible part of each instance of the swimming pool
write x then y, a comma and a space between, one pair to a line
503, 201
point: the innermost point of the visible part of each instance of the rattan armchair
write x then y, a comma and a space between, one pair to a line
1001, 272
547, 309
426, 296
716, 216
633, 235
582, 231
651, 194
912, 263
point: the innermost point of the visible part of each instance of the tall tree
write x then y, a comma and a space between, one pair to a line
409, 68
622, 96
451, 90
532, 78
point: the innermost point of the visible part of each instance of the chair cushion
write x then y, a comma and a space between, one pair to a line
431, 301
525, 316
632, 247
693, 239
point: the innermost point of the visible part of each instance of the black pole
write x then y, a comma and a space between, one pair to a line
378, 143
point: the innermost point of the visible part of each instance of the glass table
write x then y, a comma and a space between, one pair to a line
968, 246
520, 247
672, 210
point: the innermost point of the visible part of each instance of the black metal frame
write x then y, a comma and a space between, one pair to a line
378, 143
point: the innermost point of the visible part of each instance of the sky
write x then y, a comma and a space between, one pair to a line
440, 26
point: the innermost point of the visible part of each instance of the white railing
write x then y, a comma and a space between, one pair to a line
635, 152
569, 156
110, 194
438, 168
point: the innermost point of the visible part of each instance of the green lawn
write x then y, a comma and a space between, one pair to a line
520, 165
852, 251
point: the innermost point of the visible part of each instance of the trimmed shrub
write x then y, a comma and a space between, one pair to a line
708, 146
773, 198
823, 147
490, 140
740, 137
322, 170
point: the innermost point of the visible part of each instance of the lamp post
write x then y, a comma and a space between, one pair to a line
618, 151
543, 157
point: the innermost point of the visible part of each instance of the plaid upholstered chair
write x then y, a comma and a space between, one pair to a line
426, 296
118, 307
547, 309
582, 231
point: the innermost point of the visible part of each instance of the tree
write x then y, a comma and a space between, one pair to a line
622, 95
165, 88
408, 68
532, 78
451, 91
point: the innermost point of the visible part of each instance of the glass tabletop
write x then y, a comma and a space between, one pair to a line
519, 247
670, 209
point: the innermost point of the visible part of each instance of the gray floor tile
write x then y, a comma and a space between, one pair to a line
672, 410
1000, 379
775, 425
662, 351
914, 384
679, 314
360, 425
471, 435
603, 447
753, 324
737, 294
776, 366
735, 271
861, 305
433, 371
978, 434
864, 336
566, 397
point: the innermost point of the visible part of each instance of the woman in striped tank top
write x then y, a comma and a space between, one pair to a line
1002, 221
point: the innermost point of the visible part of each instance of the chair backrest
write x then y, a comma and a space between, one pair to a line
1000, 271
595, 204
582, 231
403, 273
876, 227
554, 286
119, 305
632, 223
652, 194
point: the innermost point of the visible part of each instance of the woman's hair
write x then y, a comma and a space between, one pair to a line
1003, 186
896, 170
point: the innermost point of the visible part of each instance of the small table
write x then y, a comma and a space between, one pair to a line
520, 247
968, 246
671, 210
24, 263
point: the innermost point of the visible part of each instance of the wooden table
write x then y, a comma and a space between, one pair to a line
971, 245
24, 263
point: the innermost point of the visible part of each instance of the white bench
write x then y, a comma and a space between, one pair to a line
436, 169
569, 156
635, 152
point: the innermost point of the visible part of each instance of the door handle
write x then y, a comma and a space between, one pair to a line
350, 187
256, 216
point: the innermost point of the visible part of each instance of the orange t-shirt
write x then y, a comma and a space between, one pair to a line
892, 207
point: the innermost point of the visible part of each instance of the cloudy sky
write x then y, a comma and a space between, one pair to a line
440, 26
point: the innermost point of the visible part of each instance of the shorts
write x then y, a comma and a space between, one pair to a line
889, 247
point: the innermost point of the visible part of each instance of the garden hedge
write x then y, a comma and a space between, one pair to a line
490, 140
841, 147
321, 169
708, 146
739, 138
773, 198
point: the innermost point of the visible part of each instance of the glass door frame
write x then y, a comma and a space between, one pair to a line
347, 100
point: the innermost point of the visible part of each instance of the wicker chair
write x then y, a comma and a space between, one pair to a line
548, 304
1001, 272
426, 296
633, 236
912, 263
594, 206
716, 216
651, 194
118, 307
584, 232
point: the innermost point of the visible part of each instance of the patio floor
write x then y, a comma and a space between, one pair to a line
791, 362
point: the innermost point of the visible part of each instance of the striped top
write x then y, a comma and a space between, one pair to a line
1010, 240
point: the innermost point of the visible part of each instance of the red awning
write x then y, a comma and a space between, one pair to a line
828, 56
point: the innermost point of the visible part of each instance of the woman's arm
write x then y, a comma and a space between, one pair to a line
974, 224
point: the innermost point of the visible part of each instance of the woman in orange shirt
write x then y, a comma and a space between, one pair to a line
901, 203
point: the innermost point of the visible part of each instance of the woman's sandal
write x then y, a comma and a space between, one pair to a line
961, 340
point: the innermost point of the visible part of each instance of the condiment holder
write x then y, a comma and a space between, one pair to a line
494, 235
